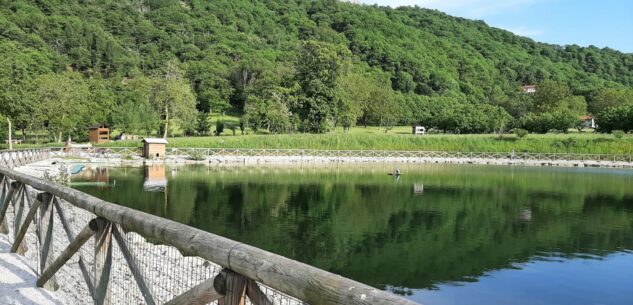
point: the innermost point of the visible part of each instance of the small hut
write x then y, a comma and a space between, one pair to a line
99, 134
154, 148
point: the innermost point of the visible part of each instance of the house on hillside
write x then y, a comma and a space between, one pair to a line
529, 88
588, 121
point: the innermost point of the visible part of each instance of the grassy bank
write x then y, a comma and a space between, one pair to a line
550, 143
400, 138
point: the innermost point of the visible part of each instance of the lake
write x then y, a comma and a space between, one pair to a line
439, 234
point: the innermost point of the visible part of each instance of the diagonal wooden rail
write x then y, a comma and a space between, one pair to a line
360, 154
245, 267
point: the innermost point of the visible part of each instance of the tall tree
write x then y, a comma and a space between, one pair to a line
65, 104
172, 97
318, 66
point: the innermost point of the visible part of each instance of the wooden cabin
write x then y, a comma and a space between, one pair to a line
154, 148
99, 134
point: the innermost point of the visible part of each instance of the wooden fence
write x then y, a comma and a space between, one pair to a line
352, 154
124, 256
15, 158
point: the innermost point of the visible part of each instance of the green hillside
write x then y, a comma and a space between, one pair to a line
291, 66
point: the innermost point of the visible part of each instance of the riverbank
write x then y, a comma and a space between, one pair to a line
549, 143
286, 157
401, 139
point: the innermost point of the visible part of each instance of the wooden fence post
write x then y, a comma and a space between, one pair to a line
4, 187
201, 294
45, 236
102, 261
74, 246
71, 237
136, 271
25, 226
7, 200
235, 287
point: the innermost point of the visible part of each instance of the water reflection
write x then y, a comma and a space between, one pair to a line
154, 178
437, 225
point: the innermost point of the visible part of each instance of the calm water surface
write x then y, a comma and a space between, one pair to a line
438, 235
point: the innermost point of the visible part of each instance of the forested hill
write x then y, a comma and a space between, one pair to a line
237, 52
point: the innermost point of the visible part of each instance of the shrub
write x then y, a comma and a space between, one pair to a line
520, 133
618, 134
202, 123
197, 155
219, 127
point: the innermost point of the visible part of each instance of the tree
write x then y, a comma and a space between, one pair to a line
271, 114
65, 105
171, 96
606, 98
616, 118
318, 67
353, 92
18, 67
203, 125
549, 95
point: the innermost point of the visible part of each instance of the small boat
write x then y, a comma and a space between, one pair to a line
76, 169
395, 173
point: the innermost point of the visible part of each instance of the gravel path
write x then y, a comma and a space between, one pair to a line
17, 281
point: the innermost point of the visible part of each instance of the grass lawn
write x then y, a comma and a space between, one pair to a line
400, 138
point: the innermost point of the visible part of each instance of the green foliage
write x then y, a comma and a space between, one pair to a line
374, 138
148, 65
203, 125
171, 96
616, 118
219, 127
520, 133
542, 123
197, 155
4, 129
318, 67
270, 114
65, 104
618, 134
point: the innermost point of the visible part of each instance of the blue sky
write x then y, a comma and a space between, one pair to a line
603, 23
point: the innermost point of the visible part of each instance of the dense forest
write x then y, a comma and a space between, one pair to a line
159, 66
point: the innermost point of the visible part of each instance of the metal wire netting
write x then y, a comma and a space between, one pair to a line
163, 268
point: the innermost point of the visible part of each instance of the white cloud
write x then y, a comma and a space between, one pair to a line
464, 8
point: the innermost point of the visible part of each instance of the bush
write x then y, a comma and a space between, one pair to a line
202, 123
219, 127
197, 155
544, 122
616, 118
520, 133
618, 134
232, 127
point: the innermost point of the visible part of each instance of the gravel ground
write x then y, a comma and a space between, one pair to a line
17, 281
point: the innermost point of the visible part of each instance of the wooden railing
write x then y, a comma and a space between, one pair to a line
15, 158
350, 154
124, 256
